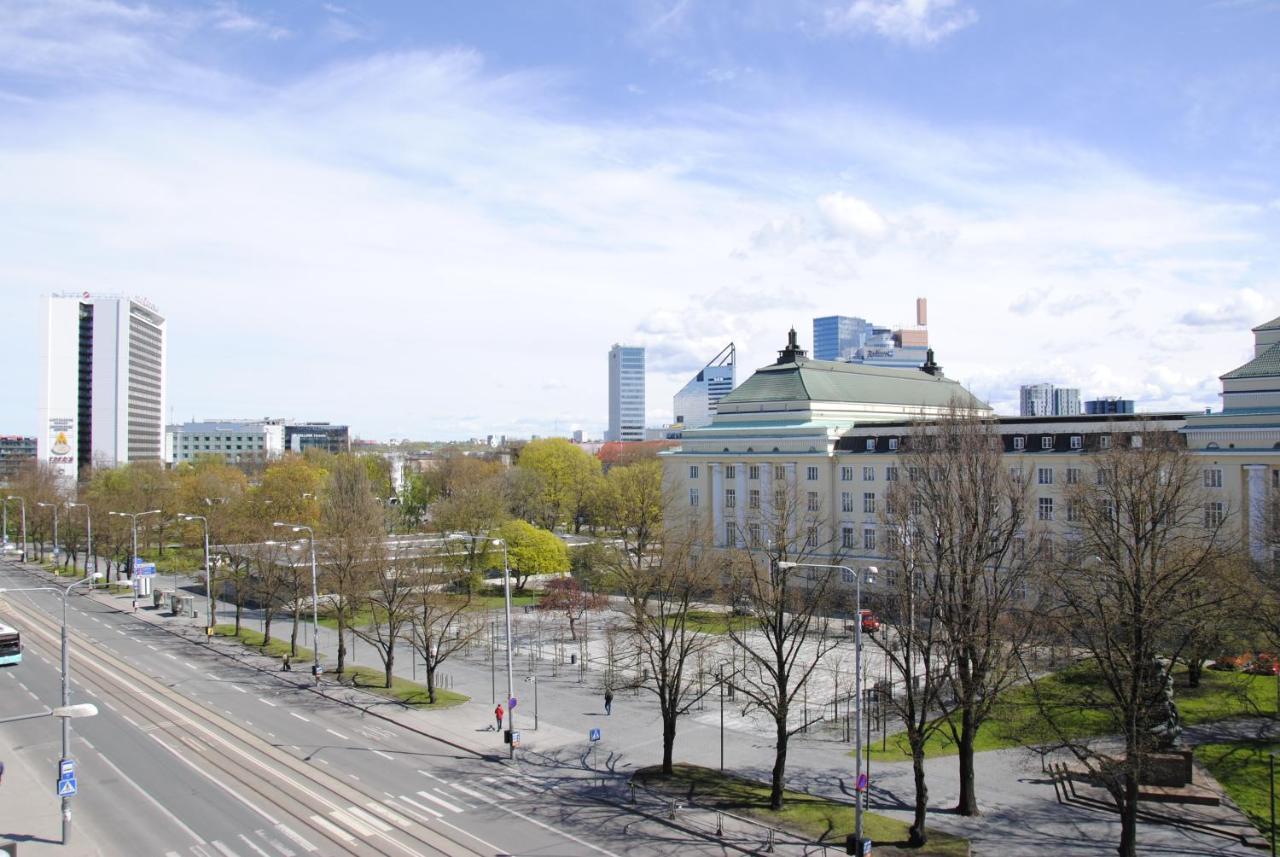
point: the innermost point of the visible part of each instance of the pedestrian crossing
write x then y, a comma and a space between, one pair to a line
352, 823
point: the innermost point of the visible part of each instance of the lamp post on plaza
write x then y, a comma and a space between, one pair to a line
23, 504
54, 507
870, 572
88, 523
208, 581
133, 555
315, 596
506, 598
66, 684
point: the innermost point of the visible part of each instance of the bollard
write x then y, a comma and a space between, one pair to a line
632, 786
719, 825
769, 845
672, 814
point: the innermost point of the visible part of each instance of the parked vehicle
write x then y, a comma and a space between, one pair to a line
870, 622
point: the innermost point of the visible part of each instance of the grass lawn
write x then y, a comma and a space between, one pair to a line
1241, 767
712, 621
365, 678
818, 818
1017, 721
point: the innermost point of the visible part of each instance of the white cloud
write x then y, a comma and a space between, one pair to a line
848, 216
915, 22
1242, 308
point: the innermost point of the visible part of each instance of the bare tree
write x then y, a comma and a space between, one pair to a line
270, 581
389, 602
438, 626
353, 527
969, 522
565, 596
658, 599
1147, 537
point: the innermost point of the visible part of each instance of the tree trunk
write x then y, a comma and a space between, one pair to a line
1195, 667
1129, 817
779, 764
266, 627
668, 742
391, 660
968, 803
917, 834
431, 682
293, 635
342, 643
239, 608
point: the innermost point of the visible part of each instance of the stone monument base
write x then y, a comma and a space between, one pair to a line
1168, 769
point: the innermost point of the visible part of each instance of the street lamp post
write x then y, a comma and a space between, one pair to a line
88, 551
208, 581
133, 555
315, 596
870, 572
506, 597
66, 684
23, 503
54, 507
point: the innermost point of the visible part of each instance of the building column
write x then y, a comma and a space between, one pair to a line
793, 499
740, 489
1255, 483
717, 505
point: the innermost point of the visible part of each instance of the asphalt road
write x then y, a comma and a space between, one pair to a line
194, 753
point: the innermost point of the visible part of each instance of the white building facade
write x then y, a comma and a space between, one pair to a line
102, 382
236, 441
695, 404
626, 394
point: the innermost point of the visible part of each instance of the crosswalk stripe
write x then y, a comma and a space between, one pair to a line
349, 820
223, 850
426, 809
332, 829
441, 801
371, 820
249, 842
276, 844
388, 814
294, 837
415, 816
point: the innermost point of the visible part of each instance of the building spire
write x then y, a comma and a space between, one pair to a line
793, 353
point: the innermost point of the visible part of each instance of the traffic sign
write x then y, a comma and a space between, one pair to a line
594, 735
66, 768
511, 704
67, 787
862, 782
515, 739
145, 569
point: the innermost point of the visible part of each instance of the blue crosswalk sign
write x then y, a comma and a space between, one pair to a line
594, 735
67, 787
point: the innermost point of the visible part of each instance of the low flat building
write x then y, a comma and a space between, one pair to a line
236, 441
299, 437
16, 451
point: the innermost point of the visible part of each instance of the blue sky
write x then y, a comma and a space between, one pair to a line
433, 219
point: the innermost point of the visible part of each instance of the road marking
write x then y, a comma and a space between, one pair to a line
349, 820
268, 702
332, 829
212, 677
521, 815
388, 814
418, 816
165, 811
427, 809
277, 844
339, 734
188, 665
441, 801
96, 619
368, 819
152, 648
299, 716
223, 849
239, 688
170, 655
384, 755
249, 842
121, 633
294, 837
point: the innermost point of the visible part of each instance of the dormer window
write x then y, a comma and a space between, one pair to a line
1046, 441
1019, 443
871, 444
893, 443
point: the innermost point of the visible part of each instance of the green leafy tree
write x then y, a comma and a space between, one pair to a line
569, 477
530, 551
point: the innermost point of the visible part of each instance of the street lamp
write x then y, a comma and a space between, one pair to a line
24, 522
315, 596
506, 598
69, 711
54, 507
88, 552
208, 582
133, 555
870, 571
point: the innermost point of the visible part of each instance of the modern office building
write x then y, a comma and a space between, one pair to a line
1109, 405
849, 339
236, 441
695, 404
1046, 400
626, 394
16, 451
299, 437
102, 382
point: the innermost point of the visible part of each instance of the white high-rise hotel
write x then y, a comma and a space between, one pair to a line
626, 393
101, 382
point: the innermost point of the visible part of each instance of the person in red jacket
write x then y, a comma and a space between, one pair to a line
497, 712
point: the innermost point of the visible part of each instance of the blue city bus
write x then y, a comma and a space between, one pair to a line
10, 645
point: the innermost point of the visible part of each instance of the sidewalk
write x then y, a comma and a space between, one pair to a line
29, 813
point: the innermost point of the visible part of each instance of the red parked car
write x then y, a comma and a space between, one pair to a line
1264, 664
870, 622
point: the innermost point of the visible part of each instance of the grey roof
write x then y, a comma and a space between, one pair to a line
1264, 365
830, 381
1274, 324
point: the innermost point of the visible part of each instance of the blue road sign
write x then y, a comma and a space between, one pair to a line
145, 569
66, 768
67, 787
594, 735
511, 703
862, 782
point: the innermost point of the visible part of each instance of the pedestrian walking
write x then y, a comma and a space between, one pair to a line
608, 701
286, 663
497, 712
135, 605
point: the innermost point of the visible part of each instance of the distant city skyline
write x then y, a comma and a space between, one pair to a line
430, 221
